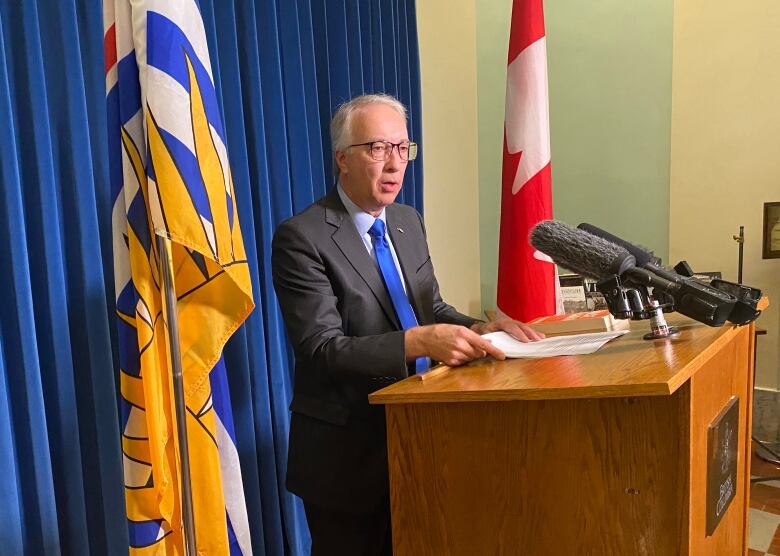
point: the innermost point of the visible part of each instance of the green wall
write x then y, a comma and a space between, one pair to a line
610, 79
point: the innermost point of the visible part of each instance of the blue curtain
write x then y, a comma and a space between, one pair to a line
281, 68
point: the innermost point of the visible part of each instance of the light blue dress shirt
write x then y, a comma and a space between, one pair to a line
363, 221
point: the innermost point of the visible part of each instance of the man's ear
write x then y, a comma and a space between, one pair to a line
341, 161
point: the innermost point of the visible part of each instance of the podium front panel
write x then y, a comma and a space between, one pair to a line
602, 475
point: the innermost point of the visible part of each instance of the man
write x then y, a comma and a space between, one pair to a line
362, 307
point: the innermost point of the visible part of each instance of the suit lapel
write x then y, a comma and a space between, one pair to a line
351, 245
407, 241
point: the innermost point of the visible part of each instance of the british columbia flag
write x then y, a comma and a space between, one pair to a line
170, 176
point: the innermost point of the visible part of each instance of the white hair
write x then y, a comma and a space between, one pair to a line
341, 124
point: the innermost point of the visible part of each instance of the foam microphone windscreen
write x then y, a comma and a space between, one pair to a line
580, 251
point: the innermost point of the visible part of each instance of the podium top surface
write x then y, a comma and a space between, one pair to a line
626, 366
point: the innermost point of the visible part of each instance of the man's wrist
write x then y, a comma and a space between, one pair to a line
413, 344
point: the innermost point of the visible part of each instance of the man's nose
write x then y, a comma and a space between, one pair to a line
394, 162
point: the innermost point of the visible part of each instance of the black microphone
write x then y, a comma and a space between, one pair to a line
580, 251
595, 257
691, 298
643, 256
648, 261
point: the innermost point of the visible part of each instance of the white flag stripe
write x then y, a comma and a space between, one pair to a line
181, 13
109, 8
233, 487
155, 208
527, 123
539, 256
168, 92
123, 30
208, 227
134, 39
122, 274
143, 311
111, 77
136, 473
136, 424
135, 128
130, 182
223, 158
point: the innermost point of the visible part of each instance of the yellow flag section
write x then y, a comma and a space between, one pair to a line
175, 181
221, 273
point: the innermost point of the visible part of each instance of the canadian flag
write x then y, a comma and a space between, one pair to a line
526, 278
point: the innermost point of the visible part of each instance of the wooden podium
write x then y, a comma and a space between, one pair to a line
604, 454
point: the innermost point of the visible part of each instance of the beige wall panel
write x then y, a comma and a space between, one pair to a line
725, 159
448, 68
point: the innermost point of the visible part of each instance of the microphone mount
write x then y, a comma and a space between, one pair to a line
628, 300
628, 296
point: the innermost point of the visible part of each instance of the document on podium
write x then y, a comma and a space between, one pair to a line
576, 344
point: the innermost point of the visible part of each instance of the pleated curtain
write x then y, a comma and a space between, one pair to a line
281, 67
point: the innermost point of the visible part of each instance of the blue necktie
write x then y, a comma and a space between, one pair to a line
395, 288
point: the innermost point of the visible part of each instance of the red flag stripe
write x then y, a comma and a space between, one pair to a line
109, 48
527, 26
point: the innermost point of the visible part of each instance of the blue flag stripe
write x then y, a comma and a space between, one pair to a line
129, 358
129, 88
114, 138
189, 170
166, 41
126, 300
220, 396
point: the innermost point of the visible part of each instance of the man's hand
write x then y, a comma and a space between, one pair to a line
449, 343
517, 329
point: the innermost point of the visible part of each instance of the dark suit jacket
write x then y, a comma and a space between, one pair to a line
348, 343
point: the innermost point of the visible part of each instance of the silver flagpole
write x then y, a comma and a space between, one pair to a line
171, 319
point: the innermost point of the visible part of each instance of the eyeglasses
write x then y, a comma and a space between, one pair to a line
381, 151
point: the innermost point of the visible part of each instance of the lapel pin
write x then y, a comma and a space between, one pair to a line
400, 230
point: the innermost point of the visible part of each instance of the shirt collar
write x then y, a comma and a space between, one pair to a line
363, 221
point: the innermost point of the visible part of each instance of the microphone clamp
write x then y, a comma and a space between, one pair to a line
628, 297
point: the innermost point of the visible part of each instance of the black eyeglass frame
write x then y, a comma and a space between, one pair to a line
411, 155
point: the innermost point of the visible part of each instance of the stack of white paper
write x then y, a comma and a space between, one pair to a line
577, 344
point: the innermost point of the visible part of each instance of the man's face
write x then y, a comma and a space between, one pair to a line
372, 184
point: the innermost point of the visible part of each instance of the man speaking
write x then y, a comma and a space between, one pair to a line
362, 308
